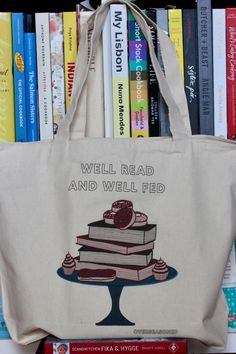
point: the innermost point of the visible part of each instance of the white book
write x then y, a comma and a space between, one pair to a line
219, 72
120, 71
57, 68
107, 74
44, 76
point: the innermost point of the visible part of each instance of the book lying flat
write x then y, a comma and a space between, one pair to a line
114, 246
138, 235
135, 273
89, 254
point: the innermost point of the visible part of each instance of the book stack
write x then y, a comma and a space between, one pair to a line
122, 242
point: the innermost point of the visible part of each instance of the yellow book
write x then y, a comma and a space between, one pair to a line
70, 52
7, 119
176, 34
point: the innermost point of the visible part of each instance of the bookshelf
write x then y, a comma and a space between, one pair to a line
7, 346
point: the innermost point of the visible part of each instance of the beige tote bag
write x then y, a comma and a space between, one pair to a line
103, 238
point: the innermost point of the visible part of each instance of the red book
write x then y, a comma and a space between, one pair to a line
145, 346
231, 71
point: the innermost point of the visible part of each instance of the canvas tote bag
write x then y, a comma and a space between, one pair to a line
172, 198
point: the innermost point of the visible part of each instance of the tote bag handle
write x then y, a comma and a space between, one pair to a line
175, 98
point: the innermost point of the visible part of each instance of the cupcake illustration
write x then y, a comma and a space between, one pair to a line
68, 264
160, 270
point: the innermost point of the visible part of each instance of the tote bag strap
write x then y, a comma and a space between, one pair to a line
175, 98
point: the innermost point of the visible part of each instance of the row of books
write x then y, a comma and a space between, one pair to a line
41, 49
36, 97
205, 43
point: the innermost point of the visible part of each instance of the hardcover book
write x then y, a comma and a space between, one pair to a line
57, 68
53, 345
70, 52
231, 70
138, 73
120, 71
19, 76
191, 66
107, 73
138, 235
114, 246
7, 120
131, 272
162, 21
44, 76
31, 79
205, 63
94, 87
176, 34
89, 254
219, 72
153, 89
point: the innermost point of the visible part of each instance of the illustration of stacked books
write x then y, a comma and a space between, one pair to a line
119, 246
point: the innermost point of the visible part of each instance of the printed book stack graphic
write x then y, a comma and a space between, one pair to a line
123, 242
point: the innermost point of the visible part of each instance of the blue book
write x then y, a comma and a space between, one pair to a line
31, 82
19, 76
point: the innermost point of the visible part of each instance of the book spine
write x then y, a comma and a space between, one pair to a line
176, 34
70, 52
31, 80
107, 73
162, 21
163, 346
77, 25
153, 84
4, 334
231, 70
7, 120
48, 348
120, 72
138, 79
219, 72
57, 68
44, 76
206, 100
191, 67
146, 347
19, 76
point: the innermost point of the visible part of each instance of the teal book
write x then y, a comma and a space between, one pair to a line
4, 334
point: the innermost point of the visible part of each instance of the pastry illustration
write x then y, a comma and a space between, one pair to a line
160, 270
68, 264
